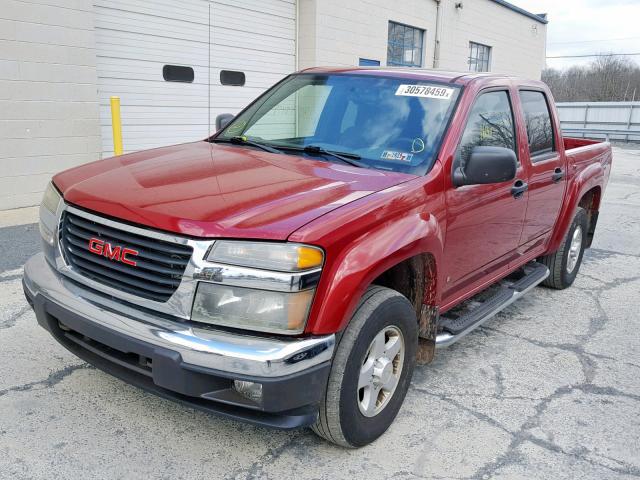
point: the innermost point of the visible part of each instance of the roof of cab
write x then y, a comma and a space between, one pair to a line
412, 72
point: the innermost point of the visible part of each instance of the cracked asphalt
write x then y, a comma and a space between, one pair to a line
550, 388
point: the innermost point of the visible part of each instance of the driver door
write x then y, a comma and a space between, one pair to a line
484, 221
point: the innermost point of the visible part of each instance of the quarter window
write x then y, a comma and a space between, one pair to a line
538, 121
479, 57
404, 47
490, 123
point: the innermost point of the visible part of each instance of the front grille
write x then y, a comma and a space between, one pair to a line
159, 264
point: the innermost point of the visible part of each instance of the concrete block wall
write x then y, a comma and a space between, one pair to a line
48, 94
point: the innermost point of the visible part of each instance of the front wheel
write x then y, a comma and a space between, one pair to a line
564, 264
371, 370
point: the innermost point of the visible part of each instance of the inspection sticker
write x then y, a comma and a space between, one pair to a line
425, 91
398, 156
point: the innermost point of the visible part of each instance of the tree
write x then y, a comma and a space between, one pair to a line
608, 78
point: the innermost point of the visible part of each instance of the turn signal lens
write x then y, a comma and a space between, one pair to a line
282, 257
51, 199
309, 258
48, 209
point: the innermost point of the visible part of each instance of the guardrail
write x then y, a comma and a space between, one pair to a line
601, 133
609, 120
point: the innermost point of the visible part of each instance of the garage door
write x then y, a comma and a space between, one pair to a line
136, 39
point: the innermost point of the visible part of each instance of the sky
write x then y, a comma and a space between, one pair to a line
582, 27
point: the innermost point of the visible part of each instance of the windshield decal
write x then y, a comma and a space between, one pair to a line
417, 145
397, 156
425, 91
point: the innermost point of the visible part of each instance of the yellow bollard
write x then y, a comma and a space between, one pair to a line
116, 123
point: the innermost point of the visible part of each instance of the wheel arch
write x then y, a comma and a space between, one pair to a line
376, 258
584, 188
590, 201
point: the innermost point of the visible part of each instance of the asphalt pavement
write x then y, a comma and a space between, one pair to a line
548, 389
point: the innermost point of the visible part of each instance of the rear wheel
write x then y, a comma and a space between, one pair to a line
371, 370
565, 263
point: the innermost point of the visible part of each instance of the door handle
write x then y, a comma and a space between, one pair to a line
518, 189
558, 175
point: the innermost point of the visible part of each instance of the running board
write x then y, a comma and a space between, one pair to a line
509, 290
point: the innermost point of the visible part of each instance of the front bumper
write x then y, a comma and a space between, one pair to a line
178, 360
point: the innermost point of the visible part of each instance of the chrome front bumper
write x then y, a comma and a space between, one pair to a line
206, 348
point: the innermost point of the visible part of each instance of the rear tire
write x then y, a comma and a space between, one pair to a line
564, 264
344, 417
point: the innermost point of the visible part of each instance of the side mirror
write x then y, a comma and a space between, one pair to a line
487, 165
223, 120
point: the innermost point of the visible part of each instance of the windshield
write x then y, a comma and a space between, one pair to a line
385, 123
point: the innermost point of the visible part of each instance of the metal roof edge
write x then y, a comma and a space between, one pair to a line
521, 11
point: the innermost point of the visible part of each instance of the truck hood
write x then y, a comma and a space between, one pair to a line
219, 190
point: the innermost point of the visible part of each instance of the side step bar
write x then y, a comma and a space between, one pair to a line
453, 329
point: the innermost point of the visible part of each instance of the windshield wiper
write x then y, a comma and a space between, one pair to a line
251, 143
345, 157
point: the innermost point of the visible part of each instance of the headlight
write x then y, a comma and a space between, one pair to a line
281, 257
264, 286
48, 209
251, 309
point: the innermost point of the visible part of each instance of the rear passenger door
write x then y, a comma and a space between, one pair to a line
547, 178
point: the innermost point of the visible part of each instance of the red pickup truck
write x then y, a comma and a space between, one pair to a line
292, 269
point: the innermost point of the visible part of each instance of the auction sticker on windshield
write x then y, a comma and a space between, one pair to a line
425, 91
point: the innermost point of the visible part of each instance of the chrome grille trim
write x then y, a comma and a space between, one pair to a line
177, 304
159, 265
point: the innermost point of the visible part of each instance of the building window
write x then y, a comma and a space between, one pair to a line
367, 62
177, 73
405, 45
231, 77
479, 57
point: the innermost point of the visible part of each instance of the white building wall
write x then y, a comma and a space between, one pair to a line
48, 99
517, 42
60, 60
340, 32
343, 31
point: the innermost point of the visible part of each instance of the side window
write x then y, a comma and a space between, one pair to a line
538, 121
490, 123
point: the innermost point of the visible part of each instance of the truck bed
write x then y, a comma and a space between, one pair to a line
575, 142
582, 152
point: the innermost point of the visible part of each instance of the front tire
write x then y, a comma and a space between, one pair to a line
371, 370
564, 264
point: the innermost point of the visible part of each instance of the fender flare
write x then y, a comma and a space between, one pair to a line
367, 257
592, 176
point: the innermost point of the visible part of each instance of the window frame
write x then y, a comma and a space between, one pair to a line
477, 58
456, 160
403, 45
539, 157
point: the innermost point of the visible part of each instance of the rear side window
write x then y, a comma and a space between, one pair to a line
490, 123
538, 122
